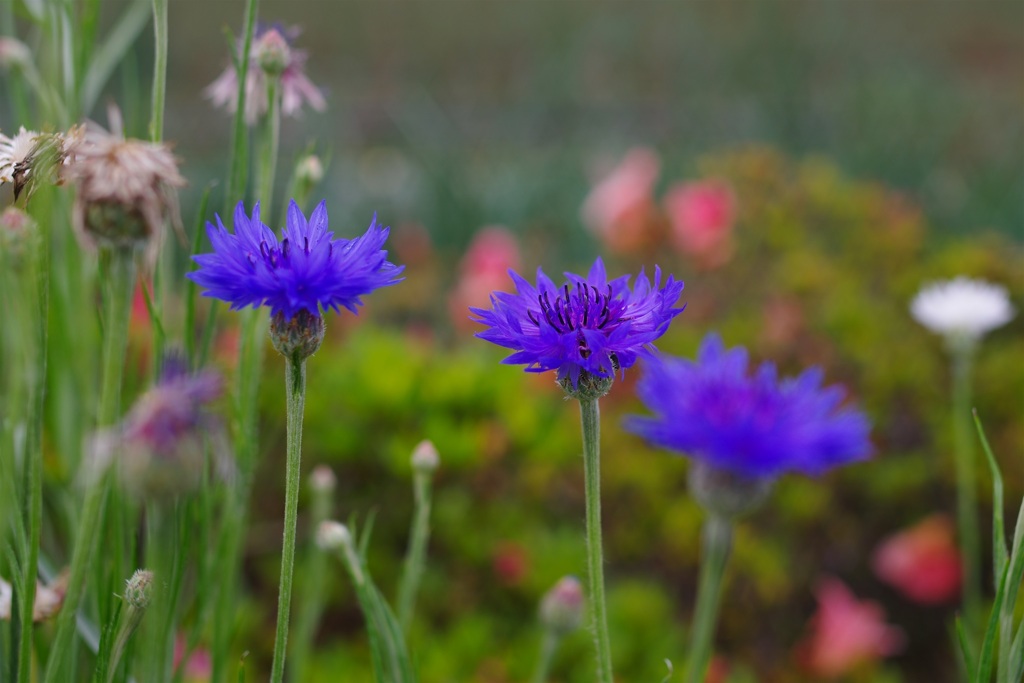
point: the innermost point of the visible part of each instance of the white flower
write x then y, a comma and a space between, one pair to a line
14, 151
962, 308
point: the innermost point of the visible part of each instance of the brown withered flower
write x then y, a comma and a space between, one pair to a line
126, 189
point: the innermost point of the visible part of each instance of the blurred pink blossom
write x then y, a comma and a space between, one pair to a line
199, 666
484, 269
620, 209
511, 562
702, 214
846, 632
296, 88
922, 562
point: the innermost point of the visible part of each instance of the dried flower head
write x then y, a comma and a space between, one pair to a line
126, 188
271, 54
49, 598
962, 310
161, 446
586, 329
754, 426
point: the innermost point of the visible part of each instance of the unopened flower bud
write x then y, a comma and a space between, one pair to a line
300, 335
561, 609
309, 170
139, 589
425, 457
13, 53
17, 231
272, 52
322, 479
726, 493
589, 387
331, 535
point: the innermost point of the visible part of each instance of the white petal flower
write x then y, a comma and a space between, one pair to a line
14, 151
962, 308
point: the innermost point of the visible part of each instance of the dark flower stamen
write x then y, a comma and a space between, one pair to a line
609, 324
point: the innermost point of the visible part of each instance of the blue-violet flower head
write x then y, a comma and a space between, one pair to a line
589, 325
306, 270
754, 426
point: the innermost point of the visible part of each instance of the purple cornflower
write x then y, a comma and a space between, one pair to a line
307, 270
160, 446
754, 426
589, 325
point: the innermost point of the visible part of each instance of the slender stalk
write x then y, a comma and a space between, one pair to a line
548, 647
968, 524
311, 598
415, 555
716, 542
120, 280
590, 418
270, 143
33, 504
238, 158
156, 122
295, 389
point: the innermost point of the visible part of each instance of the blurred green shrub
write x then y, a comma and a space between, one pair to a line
822, 274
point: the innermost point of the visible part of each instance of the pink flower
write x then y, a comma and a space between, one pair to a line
922, 562
620, 209
847, 632
198, 667
484, 269
271, 52
702, 214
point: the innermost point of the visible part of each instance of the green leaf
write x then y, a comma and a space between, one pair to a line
113, 48
965, 647
190, 286
999, 552
984, 671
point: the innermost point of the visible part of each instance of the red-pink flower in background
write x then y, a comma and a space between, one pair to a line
484, 269
702, 214
620, 209
922, 561
198, 666
847, 632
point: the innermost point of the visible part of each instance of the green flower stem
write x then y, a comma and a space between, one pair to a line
269, 148
716, 542
313, 588
33, 503
238, 158
295, 389
968, 523
156, 122
416, 553
590, 418
120, 279
548, 647
166, 537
